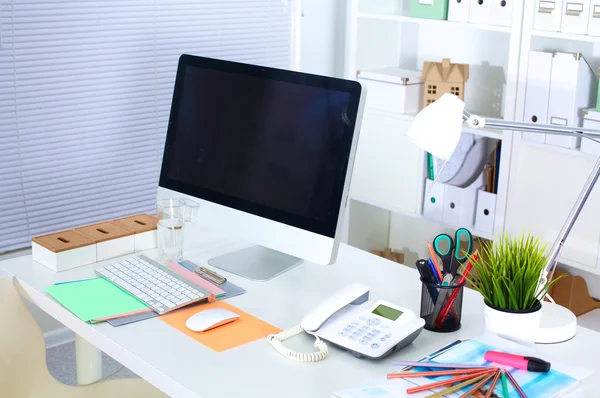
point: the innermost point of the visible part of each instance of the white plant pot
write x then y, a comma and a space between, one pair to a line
518, 326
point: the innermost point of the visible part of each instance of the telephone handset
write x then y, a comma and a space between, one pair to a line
347, 319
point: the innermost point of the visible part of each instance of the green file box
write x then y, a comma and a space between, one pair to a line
429, 9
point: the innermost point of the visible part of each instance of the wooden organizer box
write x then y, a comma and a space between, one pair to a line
111, 240
143, 227
64, 250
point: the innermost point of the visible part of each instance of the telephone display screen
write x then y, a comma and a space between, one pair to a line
387, 312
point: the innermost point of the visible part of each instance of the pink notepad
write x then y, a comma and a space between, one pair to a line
196, 279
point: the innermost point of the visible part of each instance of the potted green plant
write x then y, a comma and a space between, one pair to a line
507, 275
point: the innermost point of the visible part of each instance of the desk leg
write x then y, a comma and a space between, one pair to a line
89, 362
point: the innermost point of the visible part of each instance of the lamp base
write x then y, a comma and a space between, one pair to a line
558, 324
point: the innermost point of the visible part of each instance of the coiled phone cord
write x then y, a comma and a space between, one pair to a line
277, 339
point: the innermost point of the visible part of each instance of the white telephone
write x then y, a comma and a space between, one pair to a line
348, 320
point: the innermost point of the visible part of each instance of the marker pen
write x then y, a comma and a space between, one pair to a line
517, 361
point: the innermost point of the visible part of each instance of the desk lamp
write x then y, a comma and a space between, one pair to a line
437, 128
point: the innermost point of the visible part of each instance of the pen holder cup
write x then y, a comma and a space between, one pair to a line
441, 306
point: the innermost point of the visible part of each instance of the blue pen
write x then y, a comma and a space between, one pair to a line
434, 271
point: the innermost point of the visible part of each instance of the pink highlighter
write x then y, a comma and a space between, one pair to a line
517, 361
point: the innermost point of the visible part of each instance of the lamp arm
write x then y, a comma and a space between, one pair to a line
478, 122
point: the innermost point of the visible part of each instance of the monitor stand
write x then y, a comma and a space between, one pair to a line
256, 263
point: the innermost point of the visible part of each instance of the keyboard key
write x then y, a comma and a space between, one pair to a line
167, 303
131, 289
182, 301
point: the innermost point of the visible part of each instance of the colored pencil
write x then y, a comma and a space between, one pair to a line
456, 387
494, 382
478, 386
434, 259
450, 303
516, 385
403, 375
396, 362
504, 385
446, 382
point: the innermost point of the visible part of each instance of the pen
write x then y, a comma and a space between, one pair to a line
504, 385
449, 304
517, 361
436, 272
434, 259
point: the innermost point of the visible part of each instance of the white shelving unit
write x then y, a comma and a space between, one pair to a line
390, 171
545, 180
538, 183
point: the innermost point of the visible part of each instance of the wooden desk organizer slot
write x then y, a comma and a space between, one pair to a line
111, 239
143, 227
63, 250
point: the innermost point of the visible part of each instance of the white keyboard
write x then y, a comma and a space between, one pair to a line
160, 288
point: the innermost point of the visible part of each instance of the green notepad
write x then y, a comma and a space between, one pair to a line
94, 298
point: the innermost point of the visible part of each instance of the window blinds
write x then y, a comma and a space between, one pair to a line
85, 92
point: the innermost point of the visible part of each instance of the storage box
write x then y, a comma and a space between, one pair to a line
594, 18
433, 204
573, 86
61, 251
429, 9
143, 227
111, 240
591, 120
548, 15
392, 89
501, 14
480, 12
458, 10
575, 16
486, 211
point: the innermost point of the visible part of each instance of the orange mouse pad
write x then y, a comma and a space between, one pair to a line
245, 329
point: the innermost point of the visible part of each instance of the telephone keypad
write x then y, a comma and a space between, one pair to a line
359, 330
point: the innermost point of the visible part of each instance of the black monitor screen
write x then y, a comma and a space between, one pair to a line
266, 141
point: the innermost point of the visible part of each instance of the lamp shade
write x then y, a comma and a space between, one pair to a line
437, 128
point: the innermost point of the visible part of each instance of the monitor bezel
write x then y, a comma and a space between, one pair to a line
325, 227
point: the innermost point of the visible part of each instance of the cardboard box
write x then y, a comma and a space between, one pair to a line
143, 227
111, 239
61, 251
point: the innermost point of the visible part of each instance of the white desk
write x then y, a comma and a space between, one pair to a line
181, 367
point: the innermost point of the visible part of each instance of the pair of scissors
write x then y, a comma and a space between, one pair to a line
448, 250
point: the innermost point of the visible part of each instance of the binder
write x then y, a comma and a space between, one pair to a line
501, 12
480, 11
575, 16
486, 211
537, 92
433, 201
548, 15
594, 18
572, 87
458, 10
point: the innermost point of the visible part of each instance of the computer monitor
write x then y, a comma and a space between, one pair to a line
268, 153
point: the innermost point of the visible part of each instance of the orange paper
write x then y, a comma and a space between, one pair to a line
244, 330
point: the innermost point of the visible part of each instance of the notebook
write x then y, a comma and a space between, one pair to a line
562, 381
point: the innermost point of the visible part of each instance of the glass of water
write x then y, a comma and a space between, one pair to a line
170, 214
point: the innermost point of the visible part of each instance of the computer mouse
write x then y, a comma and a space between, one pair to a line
210, 319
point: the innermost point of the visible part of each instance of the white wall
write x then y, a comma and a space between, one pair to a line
323, 37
